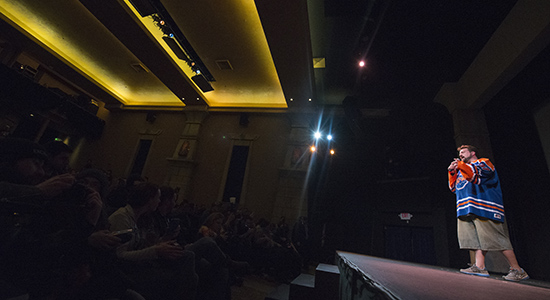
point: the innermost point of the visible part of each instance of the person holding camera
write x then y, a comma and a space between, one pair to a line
164, 270
107, 280
44, 229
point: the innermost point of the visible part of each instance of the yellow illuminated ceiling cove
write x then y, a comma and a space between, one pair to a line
69, 31
229, 30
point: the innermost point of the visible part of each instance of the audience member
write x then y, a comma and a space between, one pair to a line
267, 255
301, 240
57, 241
161, 271
43, 250
212, 226
58, 158
107, 280
118, 197
212, 264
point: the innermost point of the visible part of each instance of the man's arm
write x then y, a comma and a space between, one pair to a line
479, 173
122, 221
452, 174
452, 180
469, 172
21, 193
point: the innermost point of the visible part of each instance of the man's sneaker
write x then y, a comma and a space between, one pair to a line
516, 275
474, 270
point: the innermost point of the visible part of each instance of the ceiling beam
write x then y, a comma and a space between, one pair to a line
115, 17
286, 27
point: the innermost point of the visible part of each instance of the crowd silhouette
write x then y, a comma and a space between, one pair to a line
86, 235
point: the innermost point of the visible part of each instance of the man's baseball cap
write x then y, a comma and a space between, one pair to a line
17, 148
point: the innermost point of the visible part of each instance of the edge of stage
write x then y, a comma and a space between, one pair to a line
369, 277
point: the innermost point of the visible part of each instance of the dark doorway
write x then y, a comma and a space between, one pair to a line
235, 174
413, 244
141, 156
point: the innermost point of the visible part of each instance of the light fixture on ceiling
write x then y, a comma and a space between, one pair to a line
177, 42
168, 26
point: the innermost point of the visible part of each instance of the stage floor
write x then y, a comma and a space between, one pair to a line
403, 280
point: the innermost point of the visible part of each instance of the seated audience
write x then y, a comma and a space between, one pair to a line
107, 280
118, 197
163, 270
302, 240
44, 224
266, 254
58, 158
212, 226
212, 264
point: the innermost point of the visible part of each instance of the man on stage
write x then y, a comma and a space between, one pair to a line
480, 212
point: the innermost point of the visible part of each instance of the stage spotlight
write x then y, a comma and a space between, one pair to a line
317, 135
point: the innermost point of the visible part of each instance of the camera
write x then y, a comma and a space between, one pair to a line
173, 224
124, 235
75, 194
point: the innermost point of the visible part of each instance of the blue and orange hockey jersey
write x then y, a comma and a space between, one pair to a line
477, 190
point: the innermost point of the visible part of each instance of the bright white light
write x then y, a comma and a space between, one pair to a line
362, 63
317, 135
329, 137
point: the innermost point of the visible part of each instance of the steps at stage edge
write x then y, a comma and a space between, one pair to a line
323, 286
327, 282
302, 288
280, 293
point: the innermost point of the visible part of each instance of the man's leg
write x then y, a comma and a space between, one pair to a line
206, 248
480, 258
468, 239
511, 258
516, 272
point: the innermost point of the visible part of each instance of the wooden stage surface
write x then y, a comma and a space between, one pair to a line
368, 277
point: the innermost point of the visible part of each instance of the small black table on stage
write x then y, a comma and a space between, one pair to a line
368, 277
